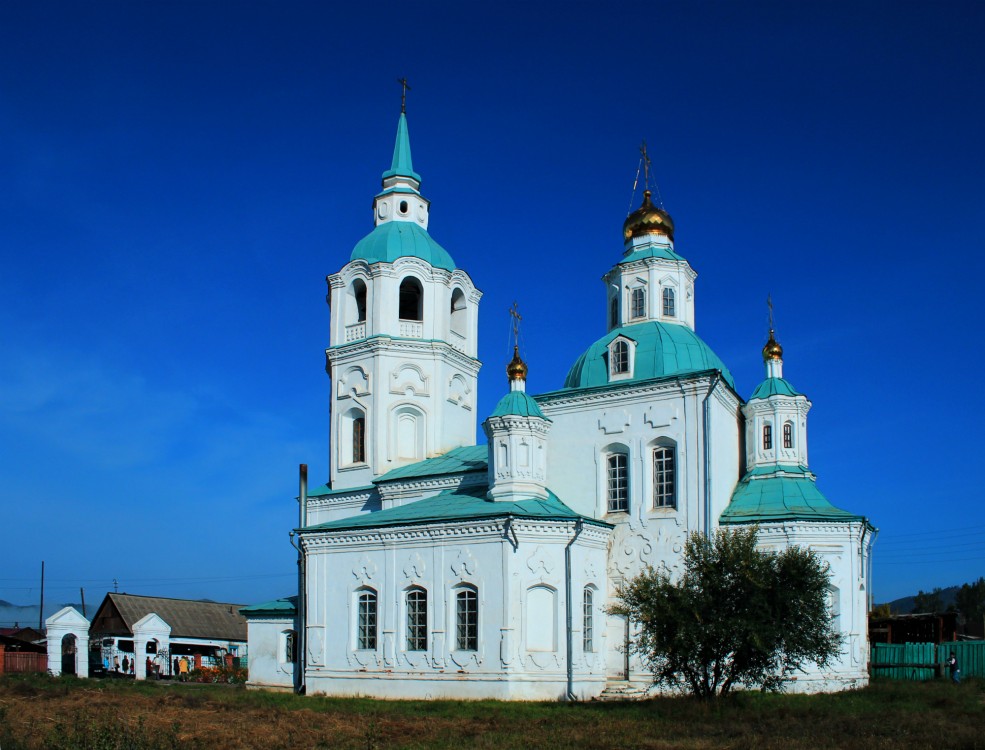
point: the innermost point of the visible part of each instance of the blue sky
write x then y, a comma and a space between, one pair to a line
176, 180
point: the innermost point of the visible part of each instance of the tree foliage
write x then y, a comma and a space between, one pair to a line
738, 616
970, 600
929, 601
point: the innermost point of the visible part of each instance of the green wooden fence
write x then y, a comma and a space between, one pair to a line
919, 661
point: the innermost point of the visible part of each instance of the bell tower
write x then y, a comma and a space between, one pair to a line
403, 338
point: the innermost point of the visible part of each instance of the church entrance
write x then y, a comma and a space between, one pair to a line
617, 654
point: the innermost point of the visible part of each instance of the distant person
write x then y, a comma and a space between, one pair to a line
116, 664
126, 665
149, 667
183, 668
175, 672
952, 664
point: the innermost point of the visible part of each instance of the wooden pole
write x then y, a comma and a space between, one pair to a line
41, 609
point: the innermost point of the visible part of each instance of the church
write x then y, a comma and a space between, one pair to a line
433, 567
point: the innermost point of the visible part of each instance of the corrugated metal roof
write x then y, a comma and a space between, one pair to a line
781, 498
456, 461
458, 505
187, 618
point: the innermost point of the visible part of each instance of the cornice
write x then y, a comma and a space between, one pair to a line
416, 486
342, 353
626, 393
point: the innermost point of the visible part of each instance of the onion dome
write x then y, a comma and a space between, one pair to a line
772, 349
517, 368
647, 219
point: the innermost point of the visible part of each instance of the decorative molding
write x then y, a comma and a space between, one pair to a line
464, 565
660, 415
614, 422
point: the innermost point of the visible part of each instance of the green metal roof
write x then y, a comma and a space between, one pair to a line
459, 505
773, 468
286, 606
517, 403
781, 498
774, 387
402, 164
401, 239
662, 349
324, 490
658, 251
456, 461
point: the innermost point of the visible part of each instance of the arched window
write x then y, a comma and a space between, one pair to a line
767, 437
588, 621
669, 308
458, 322
417, 620
617, 482
411, 299
366, 620
788, 435
614, 312
619, 358
289, 653
664, 477
359, 440
359, 300
467, 619
637, 303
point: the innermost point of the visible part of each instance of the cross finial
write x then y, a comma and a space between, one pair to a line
405, 87
769, 304
646, 165
515, 315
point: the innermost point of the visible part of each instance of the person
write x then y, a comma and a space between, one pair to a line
952, 664
126, 665
116, 664
183, 668
148, 667
175, 672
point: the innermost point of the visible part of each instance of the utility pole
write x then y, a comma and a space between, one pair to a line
41, 609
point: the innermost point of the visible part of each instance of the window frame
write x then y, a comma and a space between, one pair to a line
668, 306
664, 487
617, 482
467, 618
767, 436
588, 620
637, 303
367, 619
619, 358
788, 435
416, 619
403, 304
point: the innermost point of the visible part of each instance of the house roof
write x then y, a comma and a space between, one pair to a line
187, 618
456, 461
459, 505
781, 498
286, 606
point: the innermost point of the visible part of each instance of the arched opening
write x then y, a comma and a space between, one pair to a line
411, 299
352, 437
467, 619
408, 433
417, 619
458, 321
357, 297
664, 475
788, 434
588, 620
69, 647
366, 619
541, 619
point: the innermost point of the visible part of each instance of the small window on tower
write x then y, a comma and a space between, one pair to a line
767, 437
403, 207
668, 300
359, 440
788, 435
411, 297
637, 303
620, 358
614, 312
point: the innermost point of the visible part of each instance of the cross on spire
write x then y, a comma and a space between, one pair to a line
405, 87
515, 323
646, 165
769, 304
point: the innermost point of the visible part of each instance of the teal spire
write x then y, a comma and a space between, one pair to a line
402, 165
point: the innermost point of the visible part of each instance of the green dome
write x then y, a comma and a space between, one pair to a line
774, 387
401, 239
662, 350
517, 403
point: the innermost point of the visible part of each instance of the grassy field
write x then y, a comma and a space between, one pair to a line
64, 713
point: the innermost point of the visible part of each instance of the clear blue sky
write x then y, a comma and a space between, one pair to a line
177, 178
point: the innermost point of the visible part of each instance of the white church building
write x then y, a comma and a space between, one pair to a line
432, 567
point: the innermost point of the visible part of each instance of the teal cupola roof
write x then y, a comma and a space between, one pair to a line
402, 165
774, 387
517, 403
658, 350
401, 239
788, 494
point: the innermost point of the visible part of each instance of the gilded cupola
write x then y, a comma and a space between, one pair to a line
517, 368
772, 349
648, 219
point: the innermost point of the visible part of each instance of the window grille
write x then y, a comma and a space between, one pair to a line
417, 620
366, 626
664, 477
637, 308
617, 482
620, 358
668, 300
588, 623
767, 437
788, 435
467, 613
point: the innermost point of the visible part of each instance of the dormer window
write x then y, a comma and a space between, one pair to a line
637, 303
669, 307
620, 358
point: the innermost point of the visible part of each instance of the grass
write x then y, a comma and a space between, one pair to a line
64, 713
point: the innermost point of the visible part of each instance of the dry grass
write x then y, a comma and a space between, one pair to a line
62, 714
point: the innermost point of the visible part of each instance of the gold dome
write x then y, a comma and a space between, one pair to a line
772, 350
517, 368
647, 219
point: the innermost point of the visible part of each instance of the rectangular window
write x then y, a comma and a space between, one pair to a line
637, 307
664, 478
620, 358
467, 620
788, 435
617, 482
417, 620
588, 624
366, 625
359, 440
767, 437
668, 300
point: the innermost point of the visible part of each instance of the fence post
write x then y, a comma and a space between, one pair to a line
3, 654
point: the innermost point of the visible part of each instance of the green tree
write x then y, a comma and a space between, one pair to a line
930, 601
738, 616
970, 600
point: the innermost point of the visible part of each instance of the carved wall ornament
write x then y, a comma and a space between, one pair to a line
613, 422
414, 567
354, 382
365, 569
409, 379
660, 415
540, 562
464, 565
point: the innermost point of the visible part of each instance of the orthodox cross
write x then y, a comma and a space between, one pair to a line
645, 157
403, 94
769, 304
515, 315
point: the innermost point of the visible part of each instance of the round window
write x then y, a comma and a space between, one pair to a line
403, 207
